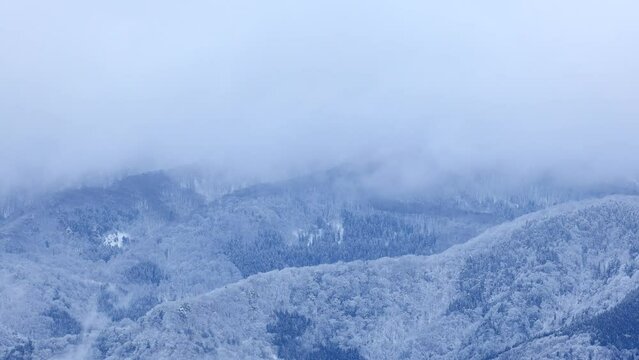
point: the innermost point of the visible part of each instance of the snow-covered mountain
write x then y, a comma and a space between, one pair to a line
560, 283
84, 272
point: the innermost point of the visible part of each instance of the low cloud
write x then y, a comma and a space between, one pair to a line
265, 89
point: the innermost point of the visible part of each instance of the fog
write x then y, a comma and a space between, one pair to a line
266, 89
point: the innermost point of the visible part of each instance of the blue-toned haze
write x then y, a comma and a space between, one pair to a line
269, 88
300, 180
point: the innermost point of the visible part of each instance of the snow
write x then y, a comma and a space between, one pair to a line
335, 230
338, 227
301, 234
115, 239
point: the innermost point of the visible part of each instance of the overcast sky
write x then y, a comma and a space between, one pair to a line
266, 87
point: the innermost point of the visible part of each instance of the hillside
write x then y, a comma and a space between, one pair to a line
547, 284
78, 261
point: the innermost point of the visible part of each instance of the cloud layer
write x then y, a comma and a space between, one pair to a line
264, 88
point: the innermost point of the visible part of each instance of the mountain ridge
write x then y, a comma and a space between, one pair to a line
443, 275
84, 259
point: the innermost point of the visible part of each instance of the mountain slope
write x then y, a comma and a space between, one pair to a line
76, 261
546, 280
